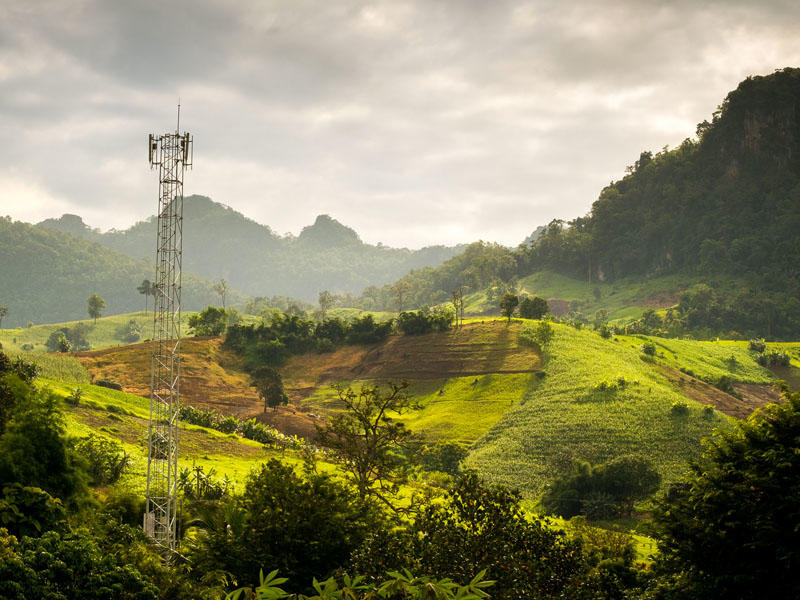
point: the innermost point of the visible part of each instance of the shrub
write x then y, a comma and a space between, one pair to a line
649, 349
419, 322
533, 308
74, 397
757, 345
602, 491
107, 383
106, 460
605, 331
773, 358
708, 412
443, 456
210, 321
679, 408
130, 332
725, 384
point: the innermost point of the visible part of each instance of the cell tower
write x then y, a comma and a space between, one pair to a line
171, 153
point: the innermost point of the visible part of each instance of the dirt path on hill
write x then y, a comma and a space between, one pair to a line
753, 395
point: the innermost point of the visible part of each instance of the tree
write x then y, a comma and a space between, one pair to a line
212, 320
731, 528
508, 303
221, 288
269, 384
326, 302
603, 491
367, 440
3, 313
475, 527
96, 306
400, 291
304, 526
533, 308
147, 289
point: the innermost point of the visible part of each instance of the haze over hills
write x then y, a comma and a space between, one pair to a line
47, 276
221, 243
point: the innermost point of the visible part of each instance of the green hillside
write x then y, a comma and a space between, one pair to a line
598, 400
722, 209
220, 243
47, 276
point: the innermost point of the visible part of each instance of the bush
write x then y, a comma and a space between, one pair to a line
679, 408
605, 331
479, 526
649, 349
74, 397
533, 308
443, 456
773, 358
603, 491
725, 384
708, 412
130, 332
107, 383
419, 322
106, 460
210, 321
757, 345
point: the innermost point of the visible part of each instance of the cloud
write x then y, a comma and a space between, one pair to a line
415, 122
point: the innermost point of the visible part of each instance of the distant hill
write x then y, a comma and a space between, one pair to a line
221, 243
723, 208
47, 275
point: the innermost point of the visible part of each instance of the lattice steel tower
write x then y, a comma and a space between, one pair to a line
171, 153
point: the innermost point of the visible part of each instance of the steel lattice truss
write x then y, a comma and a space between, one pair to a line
171, 153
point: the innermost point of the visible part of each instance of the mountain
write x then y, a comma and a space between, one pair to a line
47, 275
221, 243
723, 208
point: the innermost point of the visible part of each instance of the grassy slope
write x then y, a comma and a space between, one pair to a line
563, 417
623, 299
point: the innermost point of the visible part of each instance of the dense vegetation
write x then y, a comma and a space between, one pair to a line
723, 207
326, 255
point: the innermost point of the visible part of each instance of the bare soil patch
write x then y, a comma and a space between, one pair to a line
753, 396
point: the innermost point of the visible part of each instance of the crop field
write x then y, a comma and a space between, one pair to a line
598, 400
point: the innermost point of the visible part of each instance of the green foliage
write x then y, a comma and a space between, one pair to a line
679, 408
58, 342
130, 332
95, 306
305, 527
419, 322
480, 527
533, 308
33, 450
368, 442
212, 320
757, 345
443, 456
603, 491
649, 349
731, 528
29, 511
398, 586
508, 304
773, 358
269, 384
67, 565
106, 461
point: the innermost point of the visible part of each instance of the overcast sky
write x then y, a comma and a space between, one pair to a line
415, 123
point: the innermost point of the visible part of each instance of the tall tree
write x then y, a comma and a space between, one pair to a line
269, 384
326, 302
401, 290
368, 442
222, 289
96, 306
731, 529
145, 288
508, 303
3, 313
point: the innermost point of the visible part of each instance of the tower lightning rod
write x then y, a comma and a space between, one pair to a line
170, 153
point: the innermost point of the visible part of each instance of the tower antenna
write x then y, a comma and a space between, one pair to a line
170, 153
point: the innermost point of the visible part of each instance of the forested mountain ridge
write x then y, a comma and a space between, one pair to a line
723, 205
47, 276
221, 243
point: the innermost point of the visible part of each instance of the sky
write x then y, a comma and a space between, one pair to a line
414, 122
